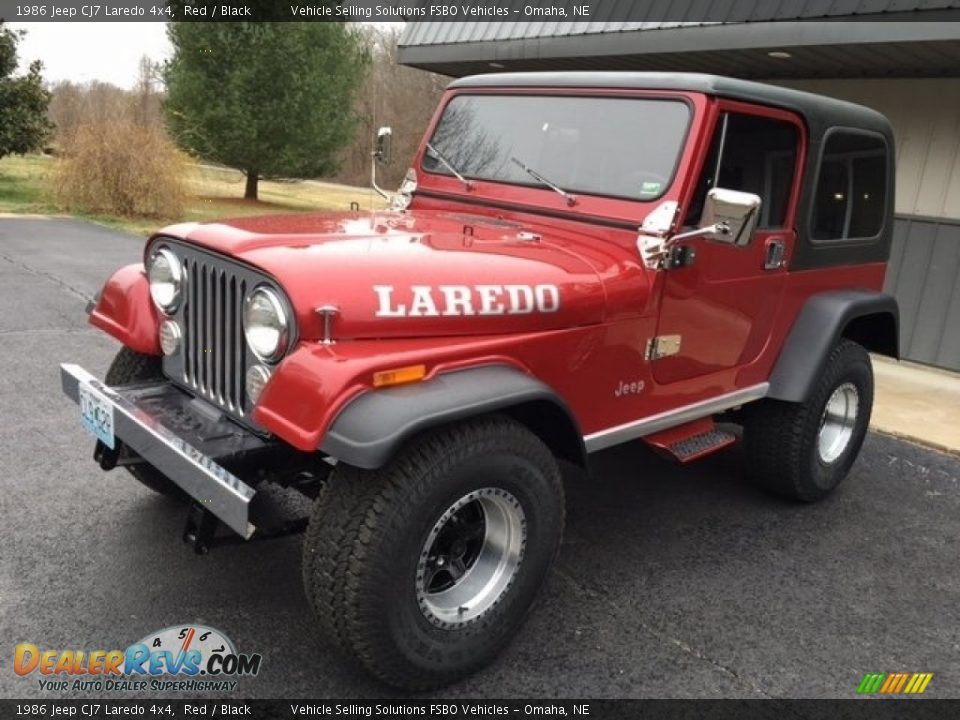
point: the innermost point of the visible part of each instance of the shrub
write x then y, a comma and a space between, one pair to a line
116, 167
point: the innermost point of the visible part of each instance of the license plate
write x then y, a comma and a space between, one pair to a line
96, 414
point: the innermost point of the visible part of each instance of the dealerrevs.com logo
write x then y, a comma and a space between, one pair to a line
181, 658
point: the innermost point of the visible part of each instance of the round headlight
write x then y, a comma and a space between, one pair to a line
166, 279
265, 324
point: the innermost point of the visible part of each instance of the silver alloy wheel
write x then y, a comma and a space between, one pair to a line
470, 557
838, 422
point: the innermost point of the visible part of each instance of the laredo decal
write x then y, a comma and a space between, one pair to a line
453, 300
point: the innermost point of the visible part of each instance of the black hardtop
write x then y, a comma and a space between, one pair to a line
819, 112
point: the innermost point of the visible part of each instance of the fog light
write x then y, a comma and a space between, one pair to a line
169, 337
257, 377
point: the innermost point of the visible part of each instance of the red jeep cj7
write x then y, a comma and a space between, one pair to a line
574, 260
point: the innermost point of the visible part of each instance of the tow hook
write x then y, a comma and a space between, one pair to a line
201, 530
106, 457
109, 458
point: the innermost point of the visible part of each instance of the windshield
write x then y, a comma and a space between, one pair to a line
621, 147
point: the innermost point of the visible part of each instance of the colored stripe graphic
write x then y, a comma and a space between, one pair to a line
894, 683
913, 684
871, 683
889, 683
901, 681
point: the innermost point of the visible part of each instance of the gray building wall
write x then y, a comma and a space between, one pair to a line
924, 270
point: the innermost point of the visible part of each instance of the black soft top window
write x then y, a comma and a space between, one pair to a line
620, 147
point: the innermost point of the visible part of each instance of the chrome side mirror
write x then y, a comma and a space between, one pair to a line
730, 216
381, 154
384, 146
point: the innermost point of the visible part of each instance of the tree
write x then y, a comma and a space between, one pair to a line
384, 98
23, 100
146, 105
271, 99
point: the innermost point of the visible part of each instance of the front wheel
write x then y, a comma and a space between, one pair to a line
424, 570
804, 450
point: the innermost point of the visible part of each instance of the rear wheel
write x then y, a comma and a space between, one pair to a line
425, 569
805, 450
131, 367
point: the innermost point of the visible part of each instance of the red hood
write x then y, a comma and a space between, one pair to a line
406, 274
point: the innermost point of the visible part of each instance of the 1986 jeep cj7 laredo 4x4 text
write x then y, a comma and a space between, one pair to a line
573, 261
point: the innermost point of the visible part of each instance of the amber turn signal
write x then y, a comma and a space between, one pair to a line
399, 376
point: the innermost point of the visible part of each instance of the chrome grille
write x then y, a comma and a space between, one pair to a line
214, 352
213, 358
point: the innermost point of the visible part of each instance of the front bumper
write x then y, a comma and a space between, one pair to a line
142, 425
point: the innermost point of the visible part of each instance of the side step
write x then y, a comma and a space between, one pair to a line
691, 441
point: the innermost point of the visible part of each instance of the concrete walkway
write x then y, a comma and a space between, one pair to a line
917, 402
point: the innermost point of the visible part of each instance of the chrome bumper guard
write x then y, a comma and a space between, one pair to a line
214, 487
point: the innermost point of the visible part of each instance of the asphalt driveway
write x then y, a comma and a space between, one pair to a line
673, 581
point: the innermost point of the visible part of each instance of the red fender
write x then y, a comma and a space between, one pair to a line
314, 382
125, 310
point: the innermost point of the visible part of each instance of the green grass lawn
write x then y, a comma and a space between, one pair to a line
24, 184
212, 193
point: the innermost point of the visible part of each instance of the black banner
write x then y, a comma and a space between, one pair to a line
301, 10
892, 709
573, 11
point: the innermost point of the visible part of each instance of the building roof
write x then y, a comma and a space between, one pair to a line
728, 37
820, 112
645, 15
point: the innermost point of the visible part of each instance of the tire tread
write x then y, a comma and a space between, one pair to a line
357, 510
778, 433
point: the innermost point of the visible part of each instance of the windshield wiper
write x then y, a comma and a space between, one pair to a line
446, 163
570, 198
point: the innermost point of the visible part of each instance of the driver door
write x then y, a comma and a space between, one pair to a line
717, 312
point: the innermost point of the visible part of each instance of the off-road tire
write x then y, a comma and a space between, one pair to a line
781, 438
130, 367
367, 531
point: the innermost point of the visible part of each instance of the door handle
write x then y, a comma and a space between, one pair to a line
775, 254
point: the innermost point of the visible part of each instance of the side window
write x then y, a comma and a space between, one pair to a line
756, 155
851, 187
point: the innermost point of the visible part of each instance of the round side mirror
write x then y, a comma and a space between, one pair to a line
383, 149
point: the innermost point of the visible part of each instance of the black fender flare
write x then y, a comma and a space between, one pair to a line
869, 317
372, 427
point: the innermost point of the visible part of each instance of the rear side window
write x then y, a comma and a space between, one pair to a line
851, 187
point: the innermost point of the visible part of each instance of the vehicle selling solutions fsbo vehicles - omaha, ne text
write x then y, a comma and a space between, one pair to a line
575, 260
